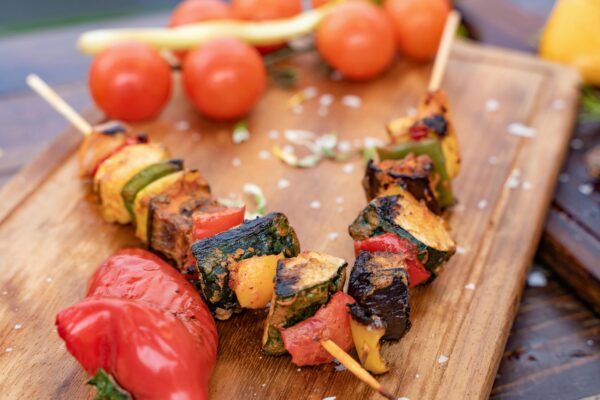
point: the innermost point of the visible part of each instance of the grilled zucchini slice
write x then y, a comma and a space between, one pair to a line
379, 284
117, 170
217, 255
145, 177
413, 174
170, 215
409, 219
302, 285
142, 202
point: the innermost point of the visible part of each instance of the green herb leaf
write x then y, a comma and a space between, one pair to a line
590, 105
107, 388
259, 198
240, 132
284, 77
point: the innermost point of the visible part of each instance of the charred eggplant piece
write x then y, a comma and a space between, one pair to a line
413, 174
302, 285
411, 220
379, 284
217, 255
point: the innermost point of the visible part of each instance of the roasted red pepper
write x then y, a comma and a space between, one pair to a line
391, 243
205, 225
332, 321
144, 324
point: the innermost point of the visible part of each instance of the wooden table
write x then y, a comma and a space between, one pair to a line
554, 348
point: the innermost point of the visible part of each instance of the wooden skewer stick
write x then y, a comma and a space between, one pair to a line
354, 367
443, 53
48, 94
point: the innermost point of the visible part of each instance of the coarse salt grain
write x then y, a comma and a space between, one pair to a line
333, 235
558, 104
590, 342
182, 125
264, 155
492, 105
4, 293
325, 100
351, 101
344, 146
403, 398
299, 370
470, 286
348, 168
586, 189
310, 92
339, 200
417, 376
527, 185
283, 183
8, 349
273, 134
460, 250
315, 204
49, 279
298, 109
521, 130
537, 279
442, 359
482, 204
329, 398
236, 162
577, 144
18, 326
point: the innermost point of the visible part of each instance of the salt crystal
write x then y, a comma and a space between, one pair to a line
264, 155
299, 370
442, 359
577, 144
417, 376
18, 326
492, 105
333, 235
470, 286
344, 146
373, 142
339, 200
564, 178
273, 134
411, 111
512, 182
329, 398
283, 183
586, 189
493, 160
537, 279
298, 109
460, 250
325, 100
49, 279
558, 104
348, 168
590, 342
182, 125
403, 398
236, 162
351, 101
264, 384
521, 130
310, 92
8, 349
527, 185
315, 204
4, 293
482, 204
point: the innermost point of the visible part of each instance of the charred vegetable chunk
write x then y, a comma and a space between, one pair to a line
331, 322
413, 174
409, 219
252, 280
433, 149
379, 284
170, 215
216, 256
146, 177
367, 331
302, 285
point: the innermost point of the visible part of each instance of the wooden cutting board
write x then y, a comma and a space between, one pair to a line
52, 236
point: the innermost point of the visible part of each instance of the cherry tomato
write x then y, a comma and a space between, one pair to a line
192, 11
130, 81
261, 10
418, 25
357, 38
224, 78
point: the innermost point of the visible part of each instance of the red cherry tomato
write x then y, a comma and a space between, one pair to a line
224, 78
418, 25
261, 10
130, 81
357, 38
192, 11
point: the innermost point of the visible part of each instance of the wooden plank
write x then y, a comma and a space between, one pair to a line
65, 237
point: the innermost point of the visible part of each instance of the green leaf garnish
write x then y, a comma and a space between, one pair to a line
590, 105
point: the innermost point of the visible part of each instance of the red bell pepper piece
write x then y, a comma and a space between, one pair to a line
158, 319
149, 352
332, 321
205, 225
391, 243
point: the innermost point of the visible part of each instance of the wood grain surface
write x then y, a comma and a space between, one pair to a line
57, 236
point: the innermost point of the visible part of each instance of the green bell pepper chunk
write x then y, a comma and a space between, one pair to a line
433, 149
